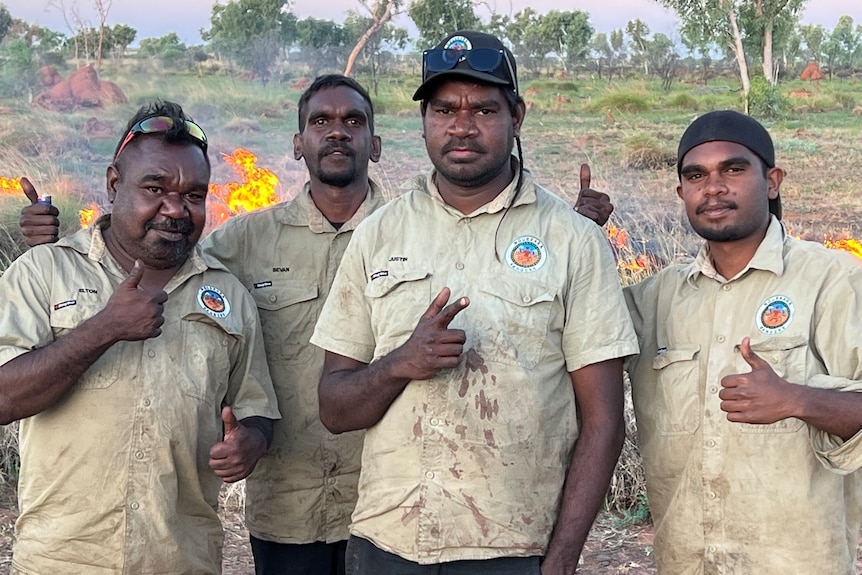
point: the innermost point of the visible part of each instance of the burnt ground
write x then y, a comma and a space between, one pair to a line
610, 550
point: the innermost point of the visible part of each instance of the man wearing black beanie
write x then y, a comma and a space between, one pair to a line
744, 388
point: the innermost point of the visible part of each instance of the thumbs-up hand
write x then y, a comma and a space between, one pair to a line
136, 313
590, 203
759, 396
39, 223
235, 456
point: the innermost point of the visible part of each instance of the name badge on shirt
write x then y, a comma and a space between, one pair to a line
774, 315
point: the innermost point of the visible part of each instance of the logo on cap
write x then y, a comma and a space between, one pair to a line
458, 43
213, 301
774, 315
526, 254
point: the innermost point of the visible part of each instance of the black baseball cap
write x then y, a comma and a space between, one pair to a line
443, 61
730, 126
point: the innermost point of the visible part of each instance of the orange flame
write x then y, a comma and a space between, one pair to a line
255, 190
849, 245
619, 238
627, 260
10, 186
88, 215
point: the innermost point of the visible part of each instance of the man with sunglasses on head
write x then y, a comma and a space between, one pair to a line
476, 329
135, 364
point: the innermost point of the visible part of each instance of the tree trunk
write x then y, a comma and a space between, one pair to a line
739, 52
378, 24
99, 48
767, 52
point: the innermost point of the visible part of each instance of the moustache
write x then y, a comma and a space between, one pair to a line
182, 226
468, 145
715, 205
332, 148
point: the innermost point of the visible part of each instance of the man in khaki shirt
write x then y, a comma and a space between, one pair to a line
135, 365
474, 455
300, 496
743, 390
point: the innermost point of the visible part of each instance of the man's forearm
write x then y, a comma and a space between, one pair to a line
354, 395
836, 412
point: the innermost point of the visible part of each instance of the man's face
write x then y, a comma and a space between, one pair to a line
158, 191
725, 192
336, 140
469, 131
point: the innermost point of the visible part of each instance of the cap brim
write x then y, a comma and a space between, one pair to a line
427, 86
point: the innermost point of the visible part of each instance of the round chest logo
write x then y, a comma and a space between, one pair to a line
526, 254
213, 301
458, 43
774, 315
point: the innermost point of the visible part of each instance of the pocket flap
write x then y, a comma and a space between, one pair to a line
522, 292
779, 343
666, 358
381, 286
283, 294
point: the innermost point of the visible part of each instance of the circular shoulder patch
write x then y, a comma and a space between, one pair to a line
458, 43
774, 315
526, 254
213, 301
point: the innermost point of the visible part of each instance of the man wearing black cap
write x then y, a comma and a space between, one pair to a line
749, 431
477, 457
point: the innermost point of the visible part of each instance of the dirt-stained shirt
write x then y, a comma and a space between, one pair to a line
470, 463
304, 489
737, 498
115, 476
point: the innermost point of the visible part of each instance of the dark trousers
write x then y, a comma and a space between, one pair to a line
288, 559
364, 558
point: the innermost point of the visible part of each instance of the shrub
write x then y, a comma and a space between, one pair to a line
765, 101
621, 101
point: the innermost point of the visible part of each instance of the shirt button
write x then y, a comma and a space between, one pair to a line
331, 481
726, 287
151, 353
139, 455
135, 505
459, 266
711, 495
273, 298
713, 389
147, 403
429, 475
527, 299
710, 443
435, 421
712, 548
720, 339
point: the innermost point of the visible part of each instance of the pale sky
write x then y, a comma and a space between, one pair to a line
155, 18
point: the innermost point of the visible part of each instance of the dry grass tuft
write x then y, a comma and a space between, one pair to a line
242, 126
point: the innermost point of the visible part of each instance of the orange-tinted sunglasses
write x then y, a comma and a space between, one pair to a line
157, 124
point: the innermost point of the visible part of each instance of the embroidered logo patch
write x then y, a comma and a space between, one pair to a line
380, 274
67, 303
458, 43
260, 285
213, 301
774, 315
526, 254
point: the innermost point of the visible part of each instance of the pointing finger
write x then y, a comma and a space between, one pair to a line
29, 191
437, 304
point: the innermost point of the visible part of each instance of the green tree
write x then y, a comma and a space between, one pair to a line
168, 48
435, 19
372, 52
638, 31
254, 33
369, 29
813, 37
323, 43
5, 21
17, 68
843, 45
569, 33
528, 44
121, 36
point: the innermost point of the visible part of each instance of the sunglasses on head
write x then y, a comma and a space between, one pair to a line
479, 59
161, 124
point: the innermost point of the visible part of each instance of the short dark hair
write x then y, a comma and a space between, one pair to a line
333, 81
178, 133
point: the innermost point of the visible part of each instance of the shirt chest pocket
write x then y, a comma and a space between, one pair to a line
204, 366
516, 316
288, 312
105, 371
397, 301
787, 356
674, 404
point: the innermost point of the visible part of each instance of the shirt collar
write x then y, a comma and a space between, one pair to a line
768, 257
303, 212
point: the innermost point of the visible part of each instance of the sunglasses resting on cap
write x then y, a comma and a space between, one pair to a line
158, 125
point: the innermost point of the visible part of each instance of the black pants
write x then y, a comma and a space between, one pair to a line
288, 559
364, 558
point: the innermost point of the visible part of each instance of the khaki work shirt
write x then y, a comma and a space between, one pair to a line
470, 464
736, 498
304, 489
115, 476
